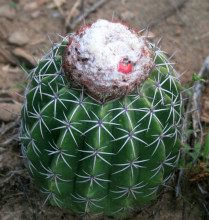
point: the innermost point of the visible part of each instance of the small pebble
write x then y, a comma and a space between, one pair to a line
127, 15
55, 14
35, 14
31, 6
7, 11
9, 111
18, 38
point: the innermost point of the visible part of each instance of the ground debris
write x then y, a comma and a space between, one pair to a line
199, 173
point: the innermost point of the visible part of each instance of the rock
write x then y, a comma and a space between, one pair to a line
9, 111
31, 6
126, 16
7, 11
24, 56
178, 32
10, 78
35, 14
56, 14
56, 3
18, 38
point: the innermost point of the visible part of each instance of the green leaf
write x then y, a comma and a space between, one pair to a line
197, 148
181, 163
18, 85
206, 148
12, 5
195, 77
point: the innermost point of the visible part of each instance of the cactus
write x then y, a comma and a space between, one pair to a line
101, 122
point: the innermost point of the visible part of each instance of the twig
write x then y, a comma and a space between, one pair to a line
184, 141
24, 190
5, 128
177, 10
194, 101
197, 96
167, 13
59, 9
178, 187
70, 15
82, 6
202, 36
6, 100
10, 140
9, 58
85, 13
206, 209
2, 149
11, 174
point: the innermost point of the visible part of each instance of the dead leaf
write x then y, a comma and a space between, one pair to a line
24, 56
56, 3
59, 2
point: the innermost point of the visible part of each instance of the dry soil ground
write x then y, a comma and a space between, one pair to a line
24, 29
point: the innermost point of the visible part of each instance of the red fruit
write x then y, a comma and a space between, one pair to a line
124, 67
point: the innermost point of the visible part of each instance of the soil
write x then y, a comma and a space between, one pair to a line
184, 30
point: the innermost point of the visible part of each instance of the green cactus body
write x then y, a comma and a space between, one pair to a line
98, 158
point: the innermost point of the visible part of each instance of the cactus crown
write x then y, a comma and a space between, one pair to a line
101, 158
108, 59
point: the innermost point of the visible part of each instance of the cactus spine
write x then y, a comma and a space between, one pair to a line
102, 157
